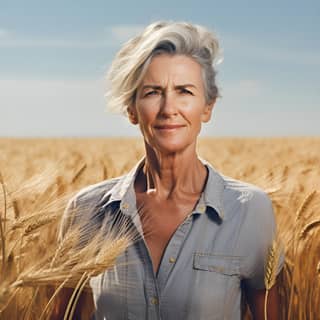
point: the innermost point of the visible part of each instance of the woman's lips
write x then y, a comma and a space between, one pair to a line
169, 127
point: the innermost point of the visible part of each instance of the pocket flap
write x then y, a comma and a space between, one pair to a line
229, 265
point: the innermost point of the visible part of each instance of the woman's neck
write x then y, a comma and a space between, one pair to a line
172, 176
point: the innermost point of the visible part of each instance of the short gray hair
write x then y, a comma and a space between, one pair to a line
131, 62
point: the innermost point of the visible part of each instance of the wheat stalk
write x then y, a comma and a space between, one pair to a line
70, 261
2, 227
289, 190
78, 173
271, 268
303, 207
75, 296
44, 311
308, 227
305, 203
74, 268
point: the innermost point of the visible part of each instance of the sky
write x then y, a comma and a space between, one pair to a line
54, 56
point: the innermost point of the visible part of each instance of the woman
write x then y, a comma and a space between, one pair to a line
204, 236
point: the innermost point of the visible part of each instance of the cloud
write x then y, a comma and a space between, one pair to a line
247, 87
262, 123
112, 36
3, 33
18, 90
17, 42
122, 33
275, 53
44, 107
243, 89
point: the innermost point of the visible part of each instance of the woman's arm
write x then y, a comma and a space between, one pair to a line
256, 299
84, 307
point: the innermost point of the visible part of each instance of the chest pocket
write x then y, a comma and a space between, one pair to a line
227, 265
215, 290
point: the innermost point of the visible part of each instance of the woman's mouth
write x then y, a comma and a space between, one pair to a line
168, 127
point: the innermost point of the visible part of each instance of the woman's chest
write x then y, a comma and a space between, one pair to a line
159, 223
197, 278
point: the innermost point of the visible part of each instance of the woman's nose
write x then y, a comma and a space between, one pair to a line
168, 105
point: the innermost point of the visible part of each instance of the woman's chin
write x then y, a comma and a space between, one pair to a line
169, 144
167, 147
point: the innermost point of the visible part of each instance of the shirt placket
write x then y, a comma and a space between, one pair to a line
172, 252
154, 284
128, 207
152, 292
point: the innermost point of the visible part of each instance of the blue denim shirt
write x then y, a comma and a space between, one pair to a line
222, 243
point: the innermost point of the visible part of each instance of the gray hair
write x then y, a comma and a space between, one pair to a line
131, 62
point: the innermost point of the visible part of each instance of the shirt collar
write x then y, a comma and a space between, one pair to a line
123, 191
212, 195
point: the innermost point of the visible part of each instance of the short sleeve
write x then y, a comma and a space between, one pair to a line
257, 234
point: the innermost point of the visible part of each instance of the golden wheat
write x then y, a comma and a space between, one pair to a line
311, 225
271, 269
43, 174
306, 202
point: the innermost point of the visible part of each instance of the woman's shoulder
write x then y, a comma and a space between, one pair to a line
238, 196
82, 205
249, 199
238, 190
103, 189
94, 192
244, 189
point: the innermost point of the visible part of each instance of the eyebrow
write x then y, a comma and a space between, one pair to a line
157, 87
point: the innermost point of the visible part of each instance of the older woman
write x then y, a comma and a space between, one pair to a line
204, 236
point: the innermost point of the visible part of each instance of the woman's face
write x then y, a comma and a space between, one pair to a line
170, 103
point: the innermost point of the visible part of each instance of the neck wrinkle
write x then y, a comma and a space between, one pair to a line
173, 176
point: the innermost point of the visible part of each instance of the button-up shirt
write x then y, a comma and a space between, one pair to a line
223, 242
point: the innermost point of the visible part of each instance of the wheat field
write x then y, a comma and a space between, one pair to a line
38, 176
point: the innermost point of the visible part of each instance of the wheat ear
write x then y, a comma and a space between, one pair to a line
271, 269
303, 207
308, 227
305, 204
78, 173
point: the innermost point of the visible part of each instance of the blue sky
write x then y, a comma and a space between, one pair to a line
54, 56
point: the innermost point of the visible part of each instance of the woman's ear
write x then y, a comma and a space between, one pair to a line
206, 115
132, 114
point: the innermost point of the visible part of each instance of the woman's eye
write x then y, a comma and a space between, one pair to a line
185, 91
150, 93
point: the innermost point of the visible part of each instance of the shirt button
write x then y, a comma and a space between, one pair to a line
202, 209
172, 260
154, 300
125, 206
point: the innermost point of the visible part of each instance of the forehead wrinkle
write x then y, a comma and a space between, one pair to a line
178, 86
157, 84
177, 74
